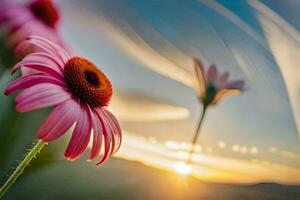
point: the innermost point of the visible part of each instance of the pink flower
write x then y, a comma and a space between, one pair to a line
78, 90
212, 86
40, 17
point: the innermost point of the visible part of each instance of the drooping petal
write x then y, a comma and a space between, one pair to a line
31, 80
108, 140
116, 130
41, 96
236, 85
212, 74
97, 136
81, 135
59, 121
223, 93
111, 132
200, 74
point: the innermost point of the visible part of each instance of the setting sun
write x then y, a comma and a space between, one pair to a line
183, 169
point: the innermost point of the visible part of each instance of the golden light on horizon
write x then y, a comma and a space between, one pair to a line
171, 156
209, 149
244, 150
198, 148
222, 145
254, 150
183, 169
235, 147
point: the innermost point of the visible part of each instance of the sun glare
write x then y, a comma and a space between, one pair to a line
183, 169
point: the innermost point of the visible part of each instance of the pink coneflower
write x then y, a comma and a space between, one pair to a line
39, 17
78, 90
211, 88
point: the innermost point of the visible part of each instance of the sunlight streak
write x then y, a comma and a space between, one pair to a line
134, 108
206, 166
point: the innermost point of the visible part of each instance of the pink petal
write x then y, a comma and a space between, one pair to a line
108, 140
30, 80
236, 85
116, 130
212, 74
200, 74
111, 132
222, 81
10, 13
40, 96
97, 136
56, 49
41, 67
81, 135
59, 121
23, 30
45, 58
25, 71
51, 47
44, 45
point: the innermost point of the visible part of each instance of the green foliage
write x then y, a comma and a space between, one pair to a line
7, 56
17, 130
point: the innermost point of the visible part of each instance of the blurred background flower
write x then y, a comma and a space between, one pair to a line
146, 50
19, 20
211, 88
36, 17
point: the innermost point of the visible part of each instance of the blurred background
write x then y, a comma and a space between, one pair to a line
249, 144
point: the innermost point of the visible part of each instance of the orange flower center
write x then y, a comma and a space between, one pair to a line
45, 11
87, 83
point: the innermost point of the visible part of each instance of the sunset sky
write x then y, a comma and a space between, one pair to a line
146, 49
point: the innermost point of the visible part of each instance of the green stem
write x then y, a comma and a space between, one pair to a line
196, 134
19, 170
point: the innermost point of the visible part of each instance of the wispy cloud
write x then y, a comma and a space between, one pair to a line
136, 108
231, 16
284, 42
